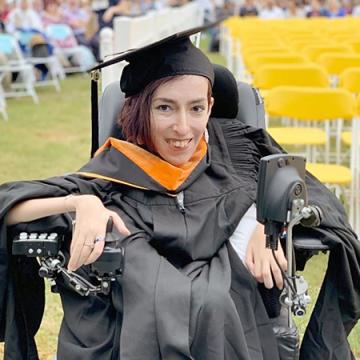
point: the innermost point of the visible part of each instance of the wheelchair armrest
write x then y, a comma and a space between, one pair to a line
304, 242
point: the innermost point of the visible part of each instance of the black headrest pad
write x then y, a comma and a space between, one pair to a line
225, 93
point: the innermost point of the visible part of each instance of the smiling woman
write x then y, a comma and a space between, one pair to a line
179, 117
174, 119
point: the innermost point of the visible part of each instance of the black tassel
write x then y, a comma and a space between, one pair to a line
95, 76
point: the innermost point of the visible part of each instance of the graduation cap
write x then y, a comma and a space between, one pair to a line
171, 56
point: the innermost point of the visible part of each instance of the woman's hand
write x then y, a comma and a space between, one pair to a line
91, 220
260, 260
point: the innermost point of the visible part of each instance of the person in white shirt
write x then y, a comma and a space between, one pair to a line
24, 17
270, 11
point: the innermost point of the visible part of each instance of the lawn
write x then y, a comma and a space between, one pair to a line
53, 138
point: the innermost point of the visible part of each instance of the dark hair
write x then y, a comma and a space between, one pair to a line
134, 118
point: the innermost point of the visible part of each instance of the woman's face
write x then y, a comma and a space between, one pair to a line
179, 114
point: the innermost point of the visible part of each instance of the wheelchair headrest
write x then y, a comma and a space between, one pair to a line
225, 93
232, 100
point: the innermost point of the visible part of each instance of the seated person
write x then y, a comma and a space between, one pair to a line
248, 9
176, 188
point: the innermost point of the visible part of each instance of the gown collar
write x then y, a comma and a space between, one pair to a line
123, 162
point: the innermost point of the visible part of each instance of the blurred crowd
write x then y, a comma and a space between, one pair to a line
278, 9
85, 18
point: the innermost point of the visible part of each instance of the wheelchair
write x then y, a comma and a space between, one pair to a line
240, 101
243, 103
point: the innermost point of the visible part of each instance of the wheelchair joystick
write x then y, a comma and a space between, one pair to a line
282, 204
46, 248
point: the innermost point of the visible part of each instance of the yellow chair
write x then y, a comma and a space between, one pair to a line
323, 104
248, 54
336, 63
314, 51
306, 74
311, 104
253, 50
256, 61
355, 44
355, 166
300, 44
349, 79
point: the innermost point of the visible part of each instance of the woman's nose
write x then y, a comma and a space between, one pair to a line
181, 125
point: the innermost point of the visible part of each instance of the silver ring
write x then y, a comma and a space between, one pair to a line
99, 238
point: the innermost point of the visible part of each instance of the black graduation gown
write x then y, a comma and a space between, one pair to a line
184, 293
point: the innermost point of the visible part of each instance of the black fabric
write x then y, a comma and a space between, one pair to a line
271, 300
186, 256
40, 50
94, 117
174, 55
337, 308
288, 342
225, 93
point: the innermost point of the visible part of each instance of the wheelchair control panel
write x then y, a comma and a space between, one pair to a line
282, 203
47, 248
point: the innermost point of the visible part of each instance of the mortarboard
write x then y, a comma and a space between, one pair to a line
171, 56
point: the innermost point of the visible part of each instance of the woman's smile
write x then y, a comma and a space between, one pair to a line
179, 144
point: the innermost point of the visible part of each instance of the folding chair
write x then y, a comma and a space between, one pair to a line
258, 60
355, 165
2, 100
272, 75
55, 69
62, 33
336, 63
24, 72
308, 74
314, 51
323, 105
349, 79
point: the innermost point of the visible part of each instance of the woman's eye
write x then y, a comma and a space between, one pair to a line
199, 108
164, 108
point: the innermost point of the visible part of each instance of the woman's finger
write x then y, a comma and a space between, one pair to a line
75, 236
258, 270
249, 260
119, 224
78, 257
279, 281
96, 252
281, 259
266, 275
77, 242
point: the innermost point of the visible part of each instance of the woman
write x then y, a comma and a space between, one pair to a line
177, 199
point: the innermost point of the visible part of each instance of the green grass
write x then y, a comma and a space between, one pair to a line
54, 138
49, 138
43, 140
